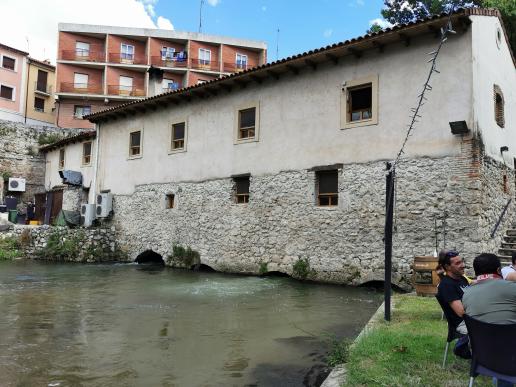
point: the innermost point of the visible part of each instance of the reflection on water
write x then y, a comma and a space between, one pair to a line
124, 325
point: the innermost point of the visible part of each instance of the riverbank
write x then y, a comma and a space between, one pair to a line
407, 351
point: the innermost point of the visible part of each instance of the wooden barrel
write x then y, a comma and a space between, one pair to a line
425, 278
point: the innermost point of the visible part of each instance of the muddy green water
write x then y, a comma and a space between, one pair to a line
129, 325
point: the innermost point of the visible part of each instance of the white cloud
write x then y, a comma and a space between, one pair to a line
381, 22
328, 32
164, 23
213, 3
41, 27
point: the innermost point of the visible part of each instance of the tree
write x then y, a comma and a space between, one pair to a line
405, 11
375, 27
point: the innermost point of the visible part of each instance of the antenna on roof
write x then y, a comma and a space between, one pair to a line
277, 44
28, 47
200, 15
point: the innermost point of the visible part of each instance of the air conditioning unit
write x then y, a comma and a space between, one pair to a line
16, 184
87, 214
104, 205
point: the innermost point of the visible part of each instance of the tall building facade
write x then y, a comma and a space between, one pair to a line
99, 67
13, 73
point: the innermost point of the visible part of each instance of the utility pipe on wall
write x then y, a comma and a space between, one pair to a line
97, 157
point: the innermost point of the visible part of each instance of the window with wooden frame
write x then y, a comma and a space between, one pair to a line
39, 104
8, 63
61, 158
7, 92
86, 153
170, 200
241, 189
359, 102
135, 143
499, 106
327, 187
246, 123
178, 136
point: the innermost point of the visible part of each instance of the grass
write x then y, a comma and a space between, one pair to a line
408, 351
9, 249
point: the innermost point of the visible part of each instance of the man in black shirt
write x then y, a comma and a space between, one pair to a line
451, 288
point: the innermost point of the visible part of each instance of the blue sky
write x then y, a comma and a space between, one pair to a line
303, 24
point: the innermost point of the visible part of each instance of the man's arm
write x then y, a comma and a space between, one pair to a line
511, 276
457, 307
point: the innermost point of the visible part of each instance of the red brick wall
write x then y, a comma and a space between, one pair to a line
67, 42
194, 77
65, 117
114, 47
229, 57
65, 73
113, 77
194, 50
179, 78
156, 45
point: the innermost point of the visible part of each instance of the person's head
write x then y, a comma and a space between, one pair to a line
486, 264
451, 263
513, 258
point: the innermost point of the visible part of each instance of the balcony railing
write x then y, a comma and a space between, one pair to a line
42, 87
235, 67
169, 62
81, 88
128, 91
172, 87
203, 64
83, 55
122, 57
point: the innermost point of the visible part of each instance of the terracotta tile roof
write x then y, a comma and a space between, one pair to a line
13, 50
68, 140
306, 59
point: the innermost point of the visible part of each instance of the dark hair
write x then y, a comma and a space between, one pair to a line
445, 257
513, 258
486, 263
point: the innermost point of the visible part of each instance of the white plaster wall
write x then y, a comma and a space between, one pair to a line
300, 121
492, 64
73, 162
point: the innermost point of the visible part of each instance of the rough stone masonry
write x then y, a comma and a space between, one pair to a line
281, 223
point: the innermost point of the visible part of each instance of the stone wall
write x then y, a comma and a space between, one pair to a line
73, 245
19, 156
281, 223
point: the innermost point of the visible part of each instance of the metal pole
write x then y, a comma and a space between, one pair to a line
389, 204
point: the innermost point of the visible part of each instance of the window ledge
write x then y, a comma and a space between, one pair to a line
174, 151
134, 157
327, 208
245, 141
7, 99
357, 124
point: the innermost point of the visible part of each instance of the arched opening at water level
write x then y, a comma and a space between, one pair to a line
204, 268
275, 274
378, 285
150, 257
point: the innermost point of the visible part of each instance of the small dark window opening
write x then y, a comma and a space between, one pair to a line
327, 188
246, 123
499, 109
86, 153
242, 189
170, 200
505, 184
178, 136
360, 102
135, 143
8, 63
61, 158
6, 92
39, 104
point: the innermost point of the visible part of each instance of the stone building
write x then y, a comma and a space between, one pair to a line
286, 161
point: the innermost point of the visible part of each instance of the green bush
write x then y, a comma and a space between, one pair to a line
49, 138
60, 248
9, 249
338, 350
301, 269
184, 257
263, 268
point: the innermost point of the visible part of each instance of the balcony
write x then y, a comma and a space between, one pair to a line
169, 62
80, 88
126, 91
203, 64
235, 67
125, 58
83, 55
42, 88
171, 87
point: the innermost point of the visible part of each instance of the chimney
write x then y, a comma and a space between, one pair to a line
155, 81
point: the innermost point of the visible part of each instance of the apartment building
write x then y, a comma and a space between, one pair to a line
39, 104
13, 73
100, 67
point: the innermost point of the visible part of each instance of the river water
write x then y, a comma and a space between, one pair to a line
133, 325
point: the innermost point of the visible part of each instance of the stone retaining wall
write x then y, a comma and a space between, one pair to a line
75, 245
282, 224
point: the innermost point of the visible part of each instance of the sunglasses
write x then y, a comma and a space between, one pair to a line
451, 254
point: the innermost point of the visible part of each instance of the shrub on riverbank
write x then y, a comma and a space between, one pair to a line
183, 257
9, 249
408, 351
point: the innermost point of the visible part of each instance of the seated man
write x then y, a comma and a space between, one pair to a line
452, 285
509, 272
491, 299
